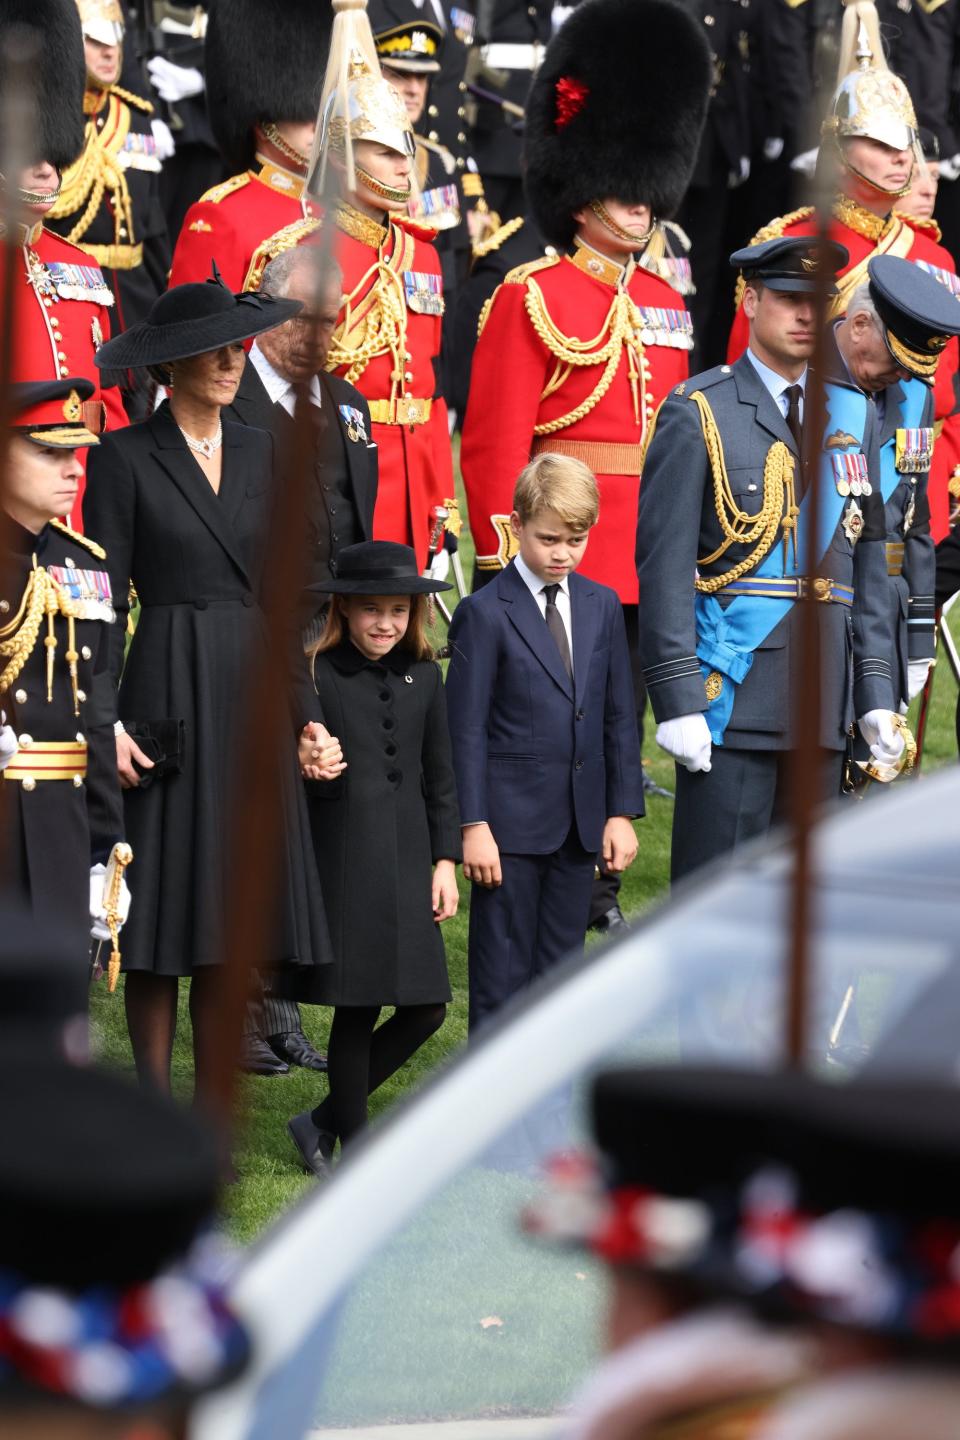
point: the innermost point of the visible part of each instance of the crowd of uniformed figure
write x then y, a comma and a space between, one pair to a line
386, 229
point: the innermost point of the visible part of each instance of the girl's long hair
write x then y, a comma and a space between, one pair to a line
415, 641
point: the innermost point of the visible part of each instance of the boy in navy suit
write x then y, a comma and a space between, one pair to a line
544, 732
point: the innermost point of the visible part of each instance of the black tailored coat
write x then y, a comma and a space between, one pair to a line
55, 829
677, 523
196, 560
381, 826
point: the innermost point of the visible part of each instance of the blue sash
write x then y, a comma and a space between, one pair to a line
727, 637
915, 441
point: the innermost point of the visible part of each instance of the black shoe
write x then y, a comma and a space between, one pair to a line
295, 1049
612, 923
256, 1058
650, 787
315, 1146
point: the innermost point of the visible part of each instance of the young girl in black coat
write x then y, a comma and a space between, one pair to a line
386, 833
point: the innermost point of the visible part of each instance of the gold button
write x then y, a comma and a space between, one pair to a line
4, 606
462, 85
60, 355
432, 110
709, 20
57, 336
24, 741
64, 370
81, 695
86, 652
461, 112
408, 375
433, 135
77, 781
81, 738
461, 163
21, 697
28, 783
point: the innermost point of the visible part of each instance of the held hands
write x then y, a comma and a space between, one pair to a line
619, 843
445, 895
687, 739
481, 857
880, 730
8, 741
129, 751
99, 929
319, 752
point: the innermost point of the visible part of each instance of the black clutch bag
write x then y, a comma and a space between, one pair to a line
162, 742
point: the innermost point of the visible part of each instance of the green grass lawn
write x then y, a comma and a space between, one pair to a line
270, 1177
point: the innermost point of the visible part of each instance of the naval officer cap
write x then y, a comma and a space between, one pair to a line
919, 315
790, 263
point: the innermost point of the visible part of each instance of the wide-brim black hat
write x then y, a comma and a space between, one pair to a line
193, 320
46, 36
265, 60
919, 315
616, 109
106, 1300
380, 567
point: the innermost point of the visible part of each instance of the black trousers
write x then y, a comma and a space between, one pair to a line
743, 794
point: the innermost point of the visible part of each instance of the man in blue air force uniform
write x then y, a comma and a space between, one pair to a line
889, 343
724, 549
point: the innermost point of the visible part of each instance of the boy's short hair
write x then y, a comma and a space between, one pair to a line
560, 483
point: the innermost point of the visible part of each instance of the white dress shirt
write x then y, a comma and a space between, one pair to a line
536, 587
778, 385
281, 391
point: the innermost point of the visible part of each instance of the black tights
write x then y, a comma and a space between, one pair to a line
360, 1058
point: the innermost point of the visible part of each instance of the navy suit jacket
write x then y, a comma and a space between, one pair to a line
534, 752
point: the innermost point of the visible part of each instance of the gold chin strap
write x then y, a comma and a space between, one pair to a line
295, 156
30, 199
607, 220
388, 193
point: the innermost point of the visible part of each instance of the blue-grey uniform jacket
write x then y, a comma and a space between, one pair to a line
678, 524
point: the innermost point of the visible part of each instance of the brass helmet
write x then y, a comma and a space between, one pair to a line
102, 20
870, 100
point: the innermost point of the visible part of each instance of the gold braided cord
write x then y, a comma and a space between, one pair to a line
84, 183
384, 326
617, 334
18, 638
739, 527
137, 101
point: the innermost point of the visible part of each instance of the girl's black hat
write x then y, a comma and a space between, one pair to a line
380, 567
193, 320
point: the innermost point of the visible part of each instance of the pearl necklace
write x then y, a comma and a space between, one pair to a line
206, 448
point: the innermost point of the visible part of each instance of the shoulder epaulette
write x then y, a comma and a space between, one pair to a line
414, 228
915, 222
84, 540
678, 234
216, 193
499, 237
277, 244
703, 381
521, 273
137, 101
773, 231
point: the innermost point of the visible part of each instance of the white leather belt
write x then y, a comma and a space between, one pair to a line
512, 57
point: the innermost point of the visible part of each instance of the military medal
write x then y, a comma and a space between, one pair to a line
909, 513
914, 450
850, 474
853, 522
353, 420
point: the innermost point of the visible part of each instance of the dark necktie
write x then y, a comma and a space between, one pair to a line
556, 627
794, 394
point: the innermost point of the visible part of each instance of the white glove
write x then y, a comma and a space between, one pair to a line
440, 565
687, 739
949, 168
99, 928
772, 148
884, 738
917, 672
174, 82
806, 162
8, 741
162, 134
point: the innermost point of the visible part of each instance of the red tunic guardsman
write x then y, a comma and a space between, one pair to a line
60, 302
577, 350
872, 134
263, 88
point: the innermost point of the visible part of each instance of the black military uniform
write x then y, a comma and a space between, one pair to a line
511, 37
109, 203
63, 808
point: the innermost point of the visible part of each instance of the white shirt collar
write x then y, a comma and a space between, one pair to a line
280, 390
533, 582
775, 383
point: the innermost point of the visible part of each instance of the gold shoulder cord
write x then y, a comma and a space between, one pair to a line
87, 178
383, 330
619, 332
18, 638
739, 528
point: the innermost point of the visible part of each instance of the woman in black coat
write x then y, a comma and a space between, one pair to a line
386, 832
182, 505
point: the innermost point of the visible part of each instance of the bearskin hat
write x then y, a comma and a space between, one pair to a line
43, 40
616, 108
265, 60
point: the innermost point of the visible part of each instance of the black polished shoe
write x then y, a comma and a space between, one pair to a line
295, 1049
315, 1146
650, 787
256, 1058
614, 922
